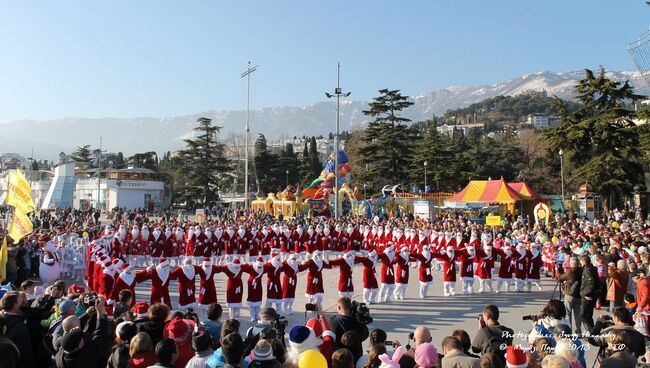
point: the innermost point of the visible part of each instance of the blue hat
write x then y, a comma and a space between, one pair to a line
298, 334
66, 305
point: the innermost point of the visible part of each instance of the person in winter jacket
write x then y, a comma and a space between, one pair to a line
589, 291
8, 350
12, 304
120, 352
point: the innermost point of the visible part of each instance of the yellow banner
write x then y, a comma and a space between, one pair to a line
19, 193
20, 226
3, 260
493, 220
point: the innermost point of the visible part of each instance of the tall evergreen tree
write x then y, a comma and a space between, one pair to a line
386, 145
147, 160
305, 167
83, 155
600, 140
120, 163
288, 162
314, 160
436, 152
203, 161
265, 163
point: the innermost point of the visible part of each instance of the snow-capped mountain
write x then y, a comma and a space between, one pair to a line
166, 134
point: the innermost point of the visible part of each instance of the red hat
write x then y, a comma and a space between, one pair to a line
515, 357
207, 260
260, 259
180, 330
76, 289
140, 309
316, 326
236, 261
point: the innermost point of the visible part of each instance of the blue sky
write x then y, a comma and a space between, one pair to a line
130, 58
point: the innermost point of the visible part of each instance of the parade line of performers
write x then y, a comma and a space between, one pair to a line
282, 254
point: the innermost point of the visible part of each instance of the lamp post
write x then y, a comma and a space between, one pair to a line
287, 177
247, 74
562, 171
425, 176
338, 93
364, 190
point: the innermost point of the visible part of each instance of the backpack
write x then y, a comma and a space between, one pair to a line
495, 343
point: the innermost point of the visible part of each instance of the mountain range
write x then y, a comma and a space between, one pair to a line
49, 137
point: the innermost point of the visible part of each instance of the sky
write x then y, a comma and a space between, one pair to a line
126, 58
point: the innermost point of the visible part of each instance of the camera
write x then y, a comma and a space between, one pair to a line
311, 307
280, 325
91, 300
361, 313
480, 317
531, 317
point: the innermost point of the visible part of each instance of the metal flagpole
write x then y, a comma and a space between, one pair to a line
247, 74
99, 172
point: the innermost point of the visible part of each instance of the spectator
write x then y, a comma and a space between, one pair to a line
217, 359
155, 323
120, 352
180, 330
322, 331
8, 350
643, 292
553, 314
590, 290
373, 356
566, 349
543, 346
454, 356
350, 341
622, 322
490, 360
279, 352
426, 355
67, 308
29, 287
564, 332
265, 323
212, 325
201, 342
262, 356
377, 336
463, 337
141, 351
301, 339
620, 357
630, 303
124, 303
616, 284
344, 321
343, 358
16, 330
421, 334
555, 361
166, 354
233, 350
491, 335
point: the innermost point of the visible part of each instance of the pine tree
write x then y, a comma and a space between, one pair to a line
203, 163
386, 143
314, 160
120, 163
266, 164
600, 140
435, 151
287, 162
83, 155
305, 167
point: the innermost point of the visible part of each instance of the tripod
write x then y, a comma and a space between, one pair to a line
558, 287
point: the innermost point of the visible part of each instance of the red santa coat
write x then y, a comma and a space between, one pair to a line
289, 280
466, 264
254, 284
273, 281
159, 284
323, 241
424, 269
313, 243
283, 241
521, 265
125, 281
234, 286
217, 244
345, 274
535, 264
158, 244
448, 265
254, 248
242, 241
145, 243
484, 265
265, 240
369, 273
337, 241
186, 276
402, 270
169, 249
208, 245
207, 289
299, 241
199, 245
506, 266
228, 240
315, 277
387, 272
118, 247
106, 285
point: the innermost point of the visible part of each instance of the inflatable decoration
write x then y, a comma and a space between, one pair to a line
50, 267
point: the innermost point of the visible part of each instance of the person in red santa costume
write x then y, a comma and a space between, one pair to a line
207, 289
345, 265
200, 239
535, 264
119, 246
274, 282
324, 238
350, 238
234, 287
254, 249
402, 272
159, 276
315, 289
186, 277
299, 240
506, 266
190, 240
274, 240
467, 258
135, 247
337, 241
425, 261
255, 272
208, 245
484, 267
387, 259
521, 266
108, 277
146, 242
265, 239
242, 240
312, 244
284, 240
126, 280
369, 279
217, 240
449, 259
178, 241
291, 268
168, 248
548, 257
322, 331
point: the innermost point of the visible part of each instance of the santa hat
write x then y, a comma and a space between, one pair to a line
180, 330
316, 253
515, 357
294, 256
389, 248
140, 309
76, 289
275, 256
404, 248
207, 261
236, 261
259, 262
302, 338
163, 262
117, 263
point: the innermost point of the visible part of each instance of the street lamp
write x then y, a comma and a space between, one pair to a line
338, 93
287, 177
364, 190
425, 176
562, 171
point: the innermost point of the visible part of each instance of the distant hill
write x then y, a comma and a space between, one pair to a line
166, 134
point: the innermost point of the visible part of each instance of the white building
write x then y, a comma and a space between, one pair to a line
538, 121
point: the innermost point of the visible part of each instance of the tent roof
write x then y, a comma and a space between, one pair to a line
525, 190
491, 191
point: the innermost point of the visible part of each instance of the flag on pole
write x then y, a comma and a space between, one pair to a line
19, 193
3, 259
20, 226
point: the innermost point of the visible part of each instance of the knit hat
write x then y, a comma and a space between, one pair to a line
201, 341
263, 351
302, 338
426, 355
126, 330
140, 309
71, 340
515, 357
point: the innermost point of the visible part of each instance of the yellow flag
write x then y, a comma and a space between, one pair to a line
3, 260
19, 193
20, 226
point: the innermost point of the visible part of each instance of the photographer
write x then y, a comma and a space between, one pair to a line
552, 315
621, 321
491, 335
590, 290
617, 355
571, 279
345, 321
266, 327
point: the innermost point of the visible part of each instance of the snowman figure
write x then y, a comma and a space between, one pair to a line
50, 267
